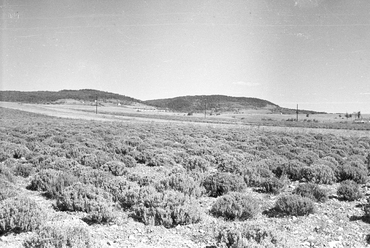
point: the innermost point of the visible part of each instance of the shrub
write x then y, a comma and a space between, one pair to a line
20, 214
348, 172
101, 213
272, 185
128, 161
196, 163
117, 168
294, 205
180, 182
349, 190
6, 190
167, 208
160, 160
6, 174
367, 209
116, 186
60, 234
312, 191
293, 170
235, 206
318, 174
255, 176
221, 183
81, 197
51, 181
246, 235
23, 170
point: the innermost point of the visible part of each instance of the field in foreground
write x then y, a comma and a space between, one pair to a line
163, 184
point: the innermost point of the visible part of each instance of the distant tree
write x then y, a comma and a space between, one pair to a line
347, 115
358, 114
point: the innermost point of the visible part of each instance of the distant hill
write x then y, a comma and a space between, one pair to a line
189, 104
53, 96
220, 103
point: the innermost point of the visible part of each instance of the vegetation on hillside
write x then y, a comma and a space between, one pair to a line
88, 95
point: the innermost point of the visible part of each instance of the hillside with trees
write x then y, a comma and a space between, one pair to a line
220, 103
52, 96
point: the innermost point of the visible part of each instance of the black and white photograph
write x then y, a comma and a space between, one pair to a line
184, 123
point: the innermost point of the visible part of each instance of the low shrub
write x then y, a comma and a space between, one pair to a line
116, 186
349, 191
20, 214
367, 209
255, 176
101, 213
293, 170
295, 205
60, 234
51, 181
161, 160
180, 182
221, 183
348, 172
318, 174
117, 168
81, 197
23, 170
167, 208
129, 161
7, 190
196, 163
246, 235
235, 206
6, 173
272, 185
312, 191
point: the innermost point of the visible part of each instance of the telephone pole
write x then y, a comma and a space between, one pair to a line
297, 112
96, 105
205, 108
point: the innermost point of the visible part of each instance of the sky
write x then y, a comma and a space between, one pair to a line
315, 53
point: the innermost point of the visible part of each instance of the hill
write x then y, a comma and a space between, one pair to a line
53, 96
210, 102
220, 103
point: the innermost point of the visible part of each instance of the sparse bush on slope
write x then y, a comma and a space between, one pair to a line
295, 205
181, 182
255, 176
312, 191
89, 199
318, 174
51, 181
168, 208
23, 170
235, 206
272, 185
221, 183
7, 189
349, 191
62, 235
117, 168
20, 214
246, 236
356, 174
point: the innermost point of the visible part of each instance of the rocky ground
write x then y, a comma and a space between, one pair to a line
335, 224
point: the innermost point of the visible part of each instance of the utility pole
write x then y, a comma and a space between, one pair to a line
96, 105
297, 112
205, 108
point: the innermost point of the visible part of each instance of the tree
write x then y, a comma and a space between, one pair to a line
358, 114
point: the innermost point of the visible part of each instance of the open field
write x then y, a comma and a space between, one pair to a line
130, 182
330, 123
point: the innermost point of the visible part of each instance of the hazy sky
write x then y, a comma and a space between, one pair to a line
312, 52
